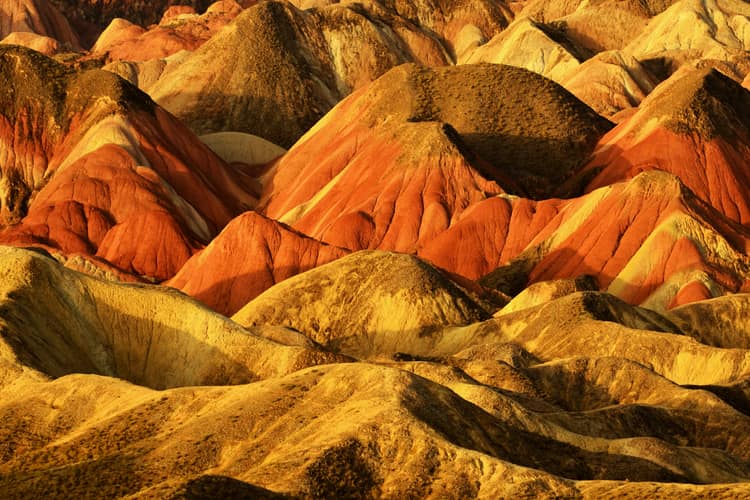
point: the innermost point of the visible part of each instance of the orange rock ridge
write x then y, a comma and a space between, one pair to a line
179, 29
251, 254
113, 167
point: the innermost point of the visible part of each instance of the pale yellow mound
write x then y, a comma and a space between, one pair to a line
242, 148
527, 44
366, 303
57, 321
705, 28
44, 44
544, 291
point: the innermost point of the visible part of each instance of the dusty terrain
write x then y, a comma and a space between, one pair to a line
375, 249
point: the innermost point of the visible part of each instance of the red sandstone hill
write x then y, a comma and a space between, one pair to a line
399, 161
649, 241
694, 125
615, 362
655, 240
250, 255
91, 165
179, 29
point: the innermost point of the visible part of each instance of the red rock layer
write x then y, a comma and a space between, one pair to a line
106, 172
179, 29
249, 256
377, 190
490, 234
715, 169
634, 237
694, 126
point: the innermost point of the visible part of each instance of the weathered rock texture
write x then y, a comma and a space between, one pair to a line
91, 165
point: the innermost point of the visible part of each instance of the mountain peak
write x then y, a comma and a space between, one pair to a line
704, 101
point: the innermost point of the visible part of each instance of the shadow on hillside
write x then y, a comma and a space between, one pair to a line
539, 166
276, 120
54, 476
57, 339
468, 426
736, 395
209, 487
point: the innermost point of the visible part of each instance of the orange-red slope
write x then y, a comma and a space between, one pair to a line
694, 126
649, 240
398, 162
249, 256
178, 30
93, 166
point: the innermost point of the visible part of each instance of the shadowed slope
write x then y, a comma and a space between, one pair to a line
405, 444
58, 322
587, 325
721, 322
588, 360
608, 81
606, 377
385, 449
236, 147
600, 389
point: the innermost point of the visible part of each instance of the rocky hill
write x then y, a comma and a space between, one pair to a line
375, 249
